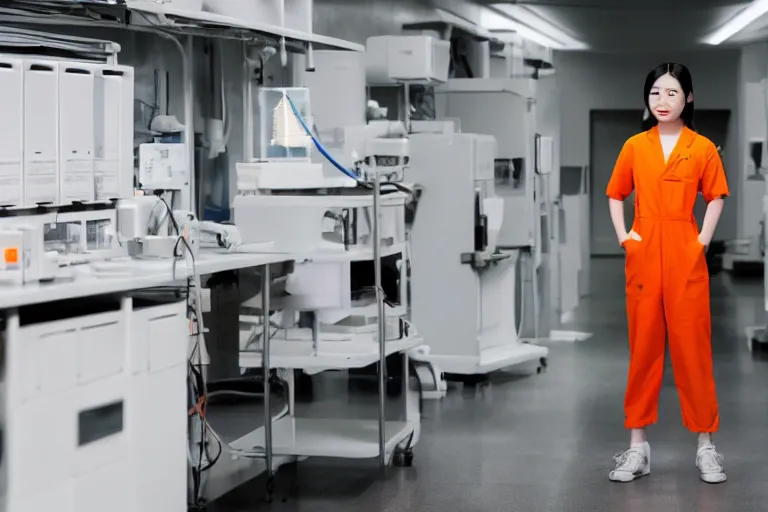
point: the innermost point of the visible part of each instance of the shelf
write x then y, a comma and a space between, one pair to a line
520, 86
160, 17
332, 255
335, 355
338, 438
353, 254
211, 24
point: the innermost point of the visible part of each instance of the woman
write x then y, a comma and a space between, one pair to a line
667, 281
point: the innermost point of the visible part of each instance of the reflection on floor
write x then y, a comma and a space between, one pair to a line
540, 443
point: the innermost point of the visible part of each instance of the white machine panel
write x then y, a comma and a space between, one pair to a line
76, 131
163, 166
157, 412
337, 87
41, 131
11, 134
504, 109
113, 132
126, 129
484, 157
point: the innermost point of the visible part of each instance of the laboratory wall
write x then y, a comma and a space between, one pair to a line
595, 81
753, 125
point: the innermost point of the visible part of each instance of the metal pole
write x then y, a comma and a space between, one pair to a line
535, 278
407, 113
382, 313
189, 123
248, 110
265, 291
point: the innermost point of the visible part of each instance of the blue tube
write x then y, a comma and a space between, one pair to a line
319, 146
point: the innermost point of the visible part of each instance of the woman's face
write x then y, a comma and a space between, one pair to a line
667, 99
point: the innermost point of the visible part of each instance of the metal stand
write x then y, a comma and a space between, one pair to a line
265, 291
382, 320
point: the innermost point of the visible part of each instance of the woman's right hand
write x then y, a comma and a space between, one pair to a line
630, 236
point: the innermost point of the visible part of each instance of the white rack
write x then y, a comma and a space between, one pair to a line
342, 438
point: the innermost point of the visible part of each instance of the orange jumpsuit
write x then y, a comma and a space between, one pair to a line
667, 280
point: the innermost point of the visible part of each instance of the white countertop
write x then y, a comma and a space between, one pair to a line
136, 275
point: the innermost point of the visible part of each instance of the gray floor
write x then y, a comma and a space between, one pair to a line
537, 443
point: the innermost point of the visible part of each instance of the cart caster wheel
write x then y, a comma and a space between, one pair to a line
539, 369
403, 459
543, 362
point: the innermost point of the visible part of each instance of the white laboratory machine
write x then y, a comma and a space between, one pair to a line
478, 104
463, 286
164, 165
407, 59
758, 336
505, 109
287, 203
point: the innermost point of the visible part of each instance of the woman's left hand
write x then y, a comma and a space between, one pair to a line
704, 241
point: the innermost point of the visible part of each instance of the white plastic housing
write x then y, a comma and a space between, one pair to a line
413, 59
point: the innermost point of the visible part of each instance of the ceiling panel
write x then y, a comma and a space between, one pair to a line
632, 25
635, 4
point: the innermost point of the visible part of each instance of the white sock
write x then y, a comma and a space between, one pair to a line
704, 440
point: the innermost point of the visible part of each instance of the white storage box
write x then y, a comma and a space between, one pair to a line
41, 132
413, 59
76, 131
113, 132
11, 135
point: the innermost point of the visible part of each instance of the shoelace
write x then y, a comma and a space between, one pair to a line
710, 461
630, 460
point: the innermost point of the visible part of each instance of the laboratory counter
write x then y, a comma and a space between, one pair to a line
124, 275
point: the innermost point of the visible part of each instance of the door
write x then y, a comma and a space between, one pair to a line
610, 129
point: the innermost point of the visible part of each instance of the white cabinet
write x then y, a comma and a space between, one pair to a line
95, 406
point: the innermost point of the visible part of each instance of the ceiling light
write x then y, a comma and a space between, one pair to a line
529, 25
736, 24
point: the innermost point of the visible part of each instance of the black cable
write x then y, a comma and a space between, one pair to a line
197, 471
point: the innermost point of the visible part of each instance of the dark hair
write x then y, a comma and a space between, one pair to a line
679, 72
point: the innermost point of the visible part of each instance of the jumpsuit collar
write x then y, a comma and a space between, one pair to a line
682, 148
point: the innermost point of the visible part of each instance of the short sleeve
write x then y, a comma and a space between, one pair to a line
622, 183
713, 181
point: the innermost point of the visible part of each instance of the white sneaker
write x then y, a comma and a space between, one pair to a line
632, 464
710, 464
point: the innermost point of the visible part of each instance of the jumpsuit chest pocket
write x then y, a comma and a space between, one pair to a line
679, 187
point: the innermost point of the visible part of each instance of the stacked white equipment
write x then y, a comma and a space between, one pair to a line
68, 133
